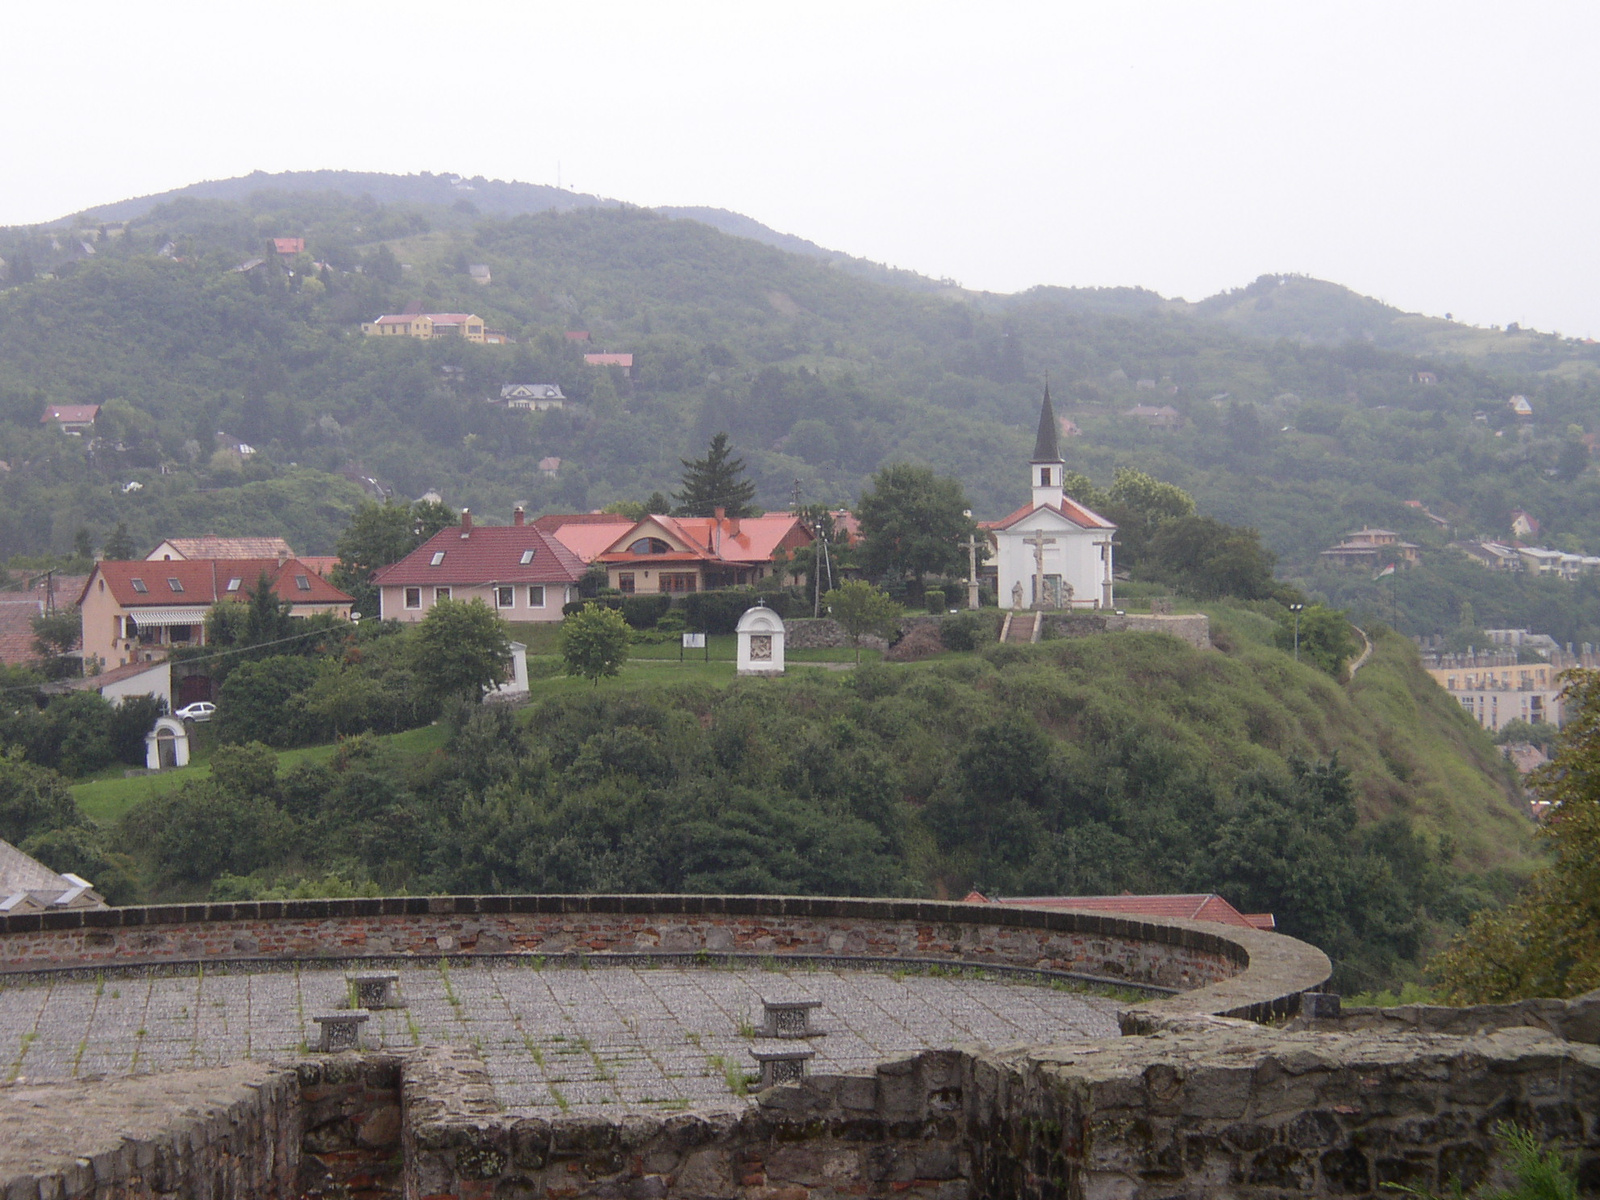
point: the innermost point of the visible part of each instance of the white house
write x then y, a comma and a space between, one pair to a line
1052, 552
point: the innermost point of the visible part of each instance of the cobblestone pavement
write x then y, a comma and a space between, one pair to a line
555, 1039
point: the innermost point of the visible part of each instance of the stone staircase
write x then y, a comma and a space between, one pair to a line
1021, 627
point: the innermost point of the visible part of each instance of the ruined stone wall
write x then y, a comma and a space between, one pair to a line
1172, 954
824, 633
1211, 1108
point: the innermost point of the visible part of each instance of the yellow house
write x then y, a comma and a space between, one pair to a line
427, 326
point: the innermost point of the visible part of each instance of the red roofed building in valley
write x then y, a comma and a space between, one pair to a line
76, 419
137, 611
677, 555
1198, 906
518, 570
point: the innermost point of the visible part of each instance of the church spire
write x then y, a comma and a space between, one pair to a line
1046, 449
1045, 471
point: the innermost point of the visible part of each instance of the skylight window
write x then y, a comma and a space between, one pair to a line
438, 557
301, 582
175, 583
138, 586
527, 557
233, 584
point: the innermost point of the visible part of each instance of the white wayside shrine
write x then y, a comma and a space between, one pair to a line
760, 633
1052, 553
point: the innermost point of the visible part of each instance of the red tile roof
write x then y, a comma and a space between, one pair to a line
484, 554
747, 540
1200, 906
1084, 518
205, 581
609, 360
16, 629
289, 245
587, 535
70, 414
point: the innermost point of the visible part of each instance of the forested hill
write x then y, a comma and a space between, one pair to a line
1304, 412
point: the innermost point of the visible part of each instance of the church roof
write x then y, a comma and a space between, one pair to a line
1085, 518
1046, 449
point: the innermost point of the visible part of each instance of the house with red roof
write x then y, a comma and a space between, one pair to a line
676, 555
137, 611
76, 419
1197, 906
1052, 552
289, 246
518, 570
625, 361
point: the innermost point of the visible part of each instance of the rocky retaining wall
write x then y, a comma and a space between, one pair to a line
824, 633
1218, 968
1194, 628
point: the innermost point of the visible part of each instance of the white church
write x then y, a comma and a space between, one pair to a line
1052, 553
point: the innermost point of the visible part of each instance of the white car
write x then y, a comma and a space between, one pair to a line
200, 710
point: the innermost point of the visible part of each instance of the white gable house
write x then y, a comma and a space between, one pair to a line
1053, 552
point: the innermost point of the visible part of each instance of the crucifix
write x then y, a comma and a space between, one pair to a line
1038, 541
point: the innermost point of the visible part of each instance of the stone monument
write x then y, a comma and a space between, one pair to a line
760, 633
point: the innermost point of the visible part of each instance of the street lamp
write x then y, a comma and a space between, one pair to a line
972, 562
1297, 609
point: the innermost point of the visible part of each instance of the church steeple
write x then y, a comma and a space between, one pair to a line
1046, 467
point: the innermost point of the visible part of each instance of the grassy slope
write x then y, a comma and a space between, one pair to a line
1411, 746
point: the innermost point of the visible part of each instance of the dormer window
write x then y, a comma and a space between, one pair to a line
138, 586
175, 583
649, 545
527, 557
438, 557
234, 584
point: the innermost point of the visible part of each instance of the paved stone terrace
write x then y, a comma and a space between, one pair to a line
602, 1040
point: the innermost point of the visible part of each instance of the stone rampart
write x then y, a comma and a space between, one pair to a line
1216, 968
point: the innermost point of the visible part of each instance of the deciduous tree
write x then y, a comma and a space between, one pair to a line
461, 648
913, 523
594, 642
861, 609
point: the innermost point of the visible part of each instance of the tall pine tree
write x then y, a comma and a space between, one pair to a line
713, 482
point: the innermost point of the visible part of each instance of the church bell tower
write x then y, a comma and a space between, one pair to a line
1046, 467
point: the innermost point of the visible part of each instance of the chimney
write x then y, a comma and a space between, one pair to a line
518, 517
283, 556
466, 522
733, 526
720, 514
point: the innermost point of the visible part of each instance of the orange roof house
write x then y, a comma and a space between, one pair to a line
689, 554
210, 546
135, 611
289, 245
625, 361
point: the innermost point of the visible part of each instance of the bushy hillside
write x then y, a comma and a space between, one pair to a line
1081, 766
1296, 418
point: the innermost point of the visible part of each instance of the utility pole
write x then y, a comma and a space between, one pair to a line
1297, 609
972, 564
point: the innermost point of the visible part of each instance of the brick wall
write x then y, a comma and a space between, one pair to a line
1222, 969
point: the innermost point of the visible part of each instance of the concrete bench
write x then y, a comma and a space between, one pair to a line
781, 1066
375, 989
788, 1019
341, 1030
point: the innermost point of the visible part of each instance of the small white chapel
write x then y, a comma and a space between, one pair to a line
1052, 553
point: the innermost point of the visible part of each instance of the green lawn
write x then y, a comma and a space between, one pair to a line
107, 796
724, 647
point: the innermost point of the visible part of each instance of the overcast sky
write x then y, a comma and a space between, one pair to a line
1440, 156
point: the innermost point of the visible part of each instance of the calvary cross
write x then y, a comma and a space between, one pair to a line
1038, 541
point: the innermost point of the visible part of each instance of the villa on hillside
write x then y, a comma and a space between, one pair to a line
76, 419
677, 555
1370, 548
518, 570
428, 326
534, 397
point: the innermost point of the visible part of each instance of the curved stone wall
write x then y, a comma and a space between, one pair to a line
1214, 968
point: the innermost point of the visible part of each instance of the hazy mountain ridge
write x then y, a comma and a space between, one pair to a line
820, 373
